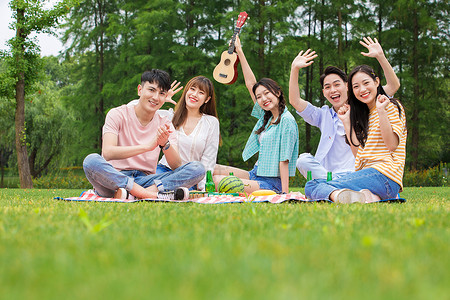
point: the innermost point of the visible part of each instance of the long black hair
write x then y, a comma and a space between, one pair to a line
359, 111
275, 89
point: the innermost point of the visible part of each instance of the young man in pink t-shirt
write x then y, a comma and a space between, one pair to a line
133, 137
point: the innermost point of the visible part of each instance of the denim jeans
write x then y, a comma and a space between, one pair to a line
160, 168
266, 183
106, 179
371, 179
306, 162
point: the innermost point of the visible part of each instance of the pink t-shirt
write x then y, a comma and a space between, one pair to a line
123, 122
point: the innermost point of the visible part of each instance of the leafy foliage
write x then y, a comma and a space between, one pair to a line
110, 43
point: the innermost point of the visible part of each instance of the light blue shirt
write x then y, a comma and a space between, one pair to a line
279, 143
333, 153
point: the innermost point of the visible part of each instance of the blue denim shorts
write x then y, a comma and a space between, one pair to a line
266, 183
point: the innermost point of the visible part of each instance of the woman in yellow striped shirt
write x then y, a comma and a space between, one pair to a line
376, 126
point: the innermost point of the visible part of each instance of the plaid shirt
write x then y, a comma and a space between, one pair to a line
279, 143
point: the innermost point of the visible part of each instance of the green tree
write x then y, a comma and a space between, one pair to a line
91, 44
29, 17
187, 37
421, 31
52, 130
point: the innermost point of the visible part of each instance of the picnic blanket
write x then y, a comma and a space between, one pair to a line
222, 199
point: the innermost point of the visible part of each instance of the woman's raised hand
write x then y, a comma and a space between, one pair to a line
173, 90
373, 46
304, 59
237, 44
382, 102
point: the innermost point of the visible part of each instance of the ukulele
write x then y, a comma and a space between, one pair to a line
226, 71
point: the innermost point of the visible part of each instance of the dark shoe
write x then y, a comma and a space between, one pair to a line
180, 193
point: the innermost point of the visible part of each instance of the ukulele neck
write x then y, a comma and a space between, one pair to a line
233, 40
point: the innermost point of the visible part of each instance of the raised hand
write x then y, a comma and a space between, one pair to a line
382, 102
373, 46
173, 90
304, 59
237, 44
344, 113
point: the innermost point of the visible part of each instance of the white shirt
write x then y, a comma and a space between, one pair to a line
333, 153
339, 148
202, 144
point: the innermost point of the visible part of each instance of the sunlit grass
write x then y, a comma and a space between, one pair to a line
51, 249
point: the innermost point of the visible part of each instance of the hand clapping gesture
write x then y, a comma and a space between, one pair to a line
173, 90
163, 134
373, 46
304, 59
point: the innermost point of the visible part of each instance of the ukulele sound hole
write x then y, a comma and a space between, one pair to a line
227, 62
223, 75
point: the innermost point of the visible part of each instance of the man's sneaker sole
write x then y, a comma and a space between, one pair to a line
349, 196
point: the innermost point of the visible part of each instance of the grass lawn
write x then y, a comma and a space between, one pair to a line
52, 249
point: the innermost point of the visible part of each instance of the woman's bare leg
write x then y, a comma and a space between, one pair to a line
225, 171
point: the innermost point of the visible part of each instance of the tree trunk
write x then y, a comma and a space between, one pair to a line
415, 111
262, 70
190, 25
322, 28
307, 86
380, 30
270, 38
99, 49
340, 54
21, 145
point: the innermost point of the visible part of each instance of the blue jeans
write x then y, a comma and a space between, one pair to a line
266, 183
106, 179
306, 162
160, 168
371, 179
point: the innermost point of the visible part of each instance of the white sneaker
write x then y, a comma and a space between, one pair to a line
349, 196
370, 197
180, 193
122, 193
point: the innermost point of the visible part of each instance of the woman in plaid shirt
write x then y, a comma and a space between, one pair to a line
274, 137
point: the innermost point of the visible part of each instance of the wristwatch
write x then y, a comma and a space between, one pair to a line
166, 146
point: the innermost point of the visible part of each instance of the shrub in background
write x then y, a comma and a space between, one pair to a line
74, 178
69, 180
435, 176
297, 181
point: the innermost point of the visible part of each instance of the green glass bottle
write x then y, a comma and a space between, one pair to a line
231, 174
329, 176
210, 187
308, 176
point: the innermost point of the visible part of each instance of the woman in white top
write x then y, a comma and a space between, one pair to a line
197, 126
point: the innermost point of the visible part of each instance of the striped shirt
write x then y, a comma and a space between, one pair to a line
375, 153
